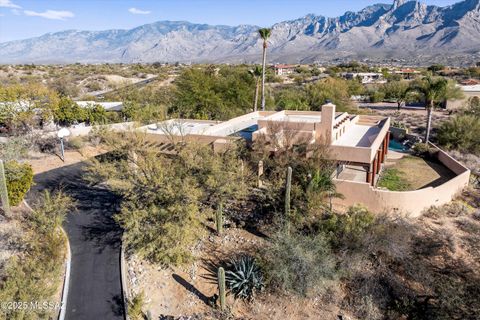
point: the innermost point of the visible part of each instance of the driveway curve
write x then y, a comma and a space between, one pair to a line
95, 290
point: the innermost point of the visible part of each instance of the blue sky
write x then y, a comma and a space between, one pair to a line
20, 19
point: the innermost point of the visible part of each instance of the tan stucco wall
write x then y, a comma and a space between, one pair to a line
457, 104
407, 202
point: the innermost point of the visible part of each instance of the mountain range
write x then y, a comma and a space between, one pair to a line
403, 30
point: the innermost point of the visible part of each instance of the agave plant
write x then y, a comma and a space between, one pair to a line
244, 278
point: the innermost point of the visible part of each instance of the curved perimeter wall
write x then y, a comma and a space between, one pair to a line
408, 202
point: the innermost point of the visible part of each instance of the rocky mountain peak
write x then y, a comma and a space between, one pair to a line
403, 29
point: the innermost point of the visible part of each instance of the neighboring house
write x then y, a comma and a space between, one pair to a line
469, 92
284, 69
108, 106
365, 77
407, 73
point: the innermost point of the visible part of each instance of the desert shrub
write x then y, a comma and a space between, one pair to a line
76, 143
473, 106
68, 112
299, 264
95, 114
47, 144
461, 132
244, 278
14, 148
346, 229
423, 150
166, 198
376, 95
19, 180
94, 86
399, 124
97, 135
36, 275
135, 306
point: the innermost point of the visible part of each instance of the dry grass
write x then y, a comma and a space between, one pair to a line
416, 173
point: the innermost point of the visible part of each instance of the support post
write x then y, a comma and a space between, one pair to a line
3, 190
385, 148
369, 174
379, 161
388, 142
374, 171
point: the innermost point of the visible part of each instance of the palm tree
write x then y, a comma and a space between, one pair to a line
256, 73
264, 34
434, 90
322, 183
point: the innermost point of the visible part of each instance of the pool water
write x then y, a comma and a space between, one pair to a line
396, 146
247, 133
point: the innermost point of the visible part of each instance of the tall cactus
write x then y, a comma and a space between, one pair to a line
3, 190
288, 189
219, 219
221, 288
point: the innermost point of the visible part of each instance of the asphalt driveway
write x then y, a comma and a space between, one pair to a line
95, 239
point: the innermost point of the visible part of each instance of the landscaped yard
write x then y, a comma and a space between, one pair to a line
413, 173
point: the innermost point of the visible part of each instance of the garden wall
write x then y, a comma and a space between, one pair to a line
408, 202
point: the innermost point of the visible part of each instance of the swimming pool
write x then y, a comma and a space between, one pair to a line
396, 146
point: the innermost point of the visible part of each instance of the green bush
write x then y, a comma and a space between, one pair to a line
300, 264
19, 180
68, 112
422, 150
461, 132
345, 230
36, 275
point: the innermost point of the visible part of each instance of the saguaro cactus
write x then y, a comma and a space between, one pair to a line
260, 173
3, 190
221, 288
219, 219
288, 189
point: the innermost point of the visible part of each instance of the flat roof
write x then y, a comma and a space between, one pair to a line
180, 127
309, 118
358, 136
235, 125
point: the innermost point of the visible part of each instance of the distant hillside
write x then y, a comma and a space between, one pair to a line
401, 30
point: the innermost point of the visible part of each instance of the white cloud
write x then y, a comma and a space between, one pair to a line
8, 4
50, 14
138, 11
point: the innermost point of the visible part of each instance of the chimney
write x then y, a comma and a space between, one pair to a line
327, 123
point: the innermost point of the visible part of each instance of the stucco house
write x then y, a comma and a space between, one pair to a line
284, 69
358, 143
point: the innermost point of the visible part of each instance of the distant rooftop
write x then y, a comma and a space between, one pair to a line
109, 106
473, 88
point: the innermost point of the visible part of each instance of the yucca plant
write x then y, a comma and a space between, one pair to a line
244, 278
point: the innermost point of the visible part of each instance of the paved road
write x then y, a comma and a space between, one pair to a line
95, 284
